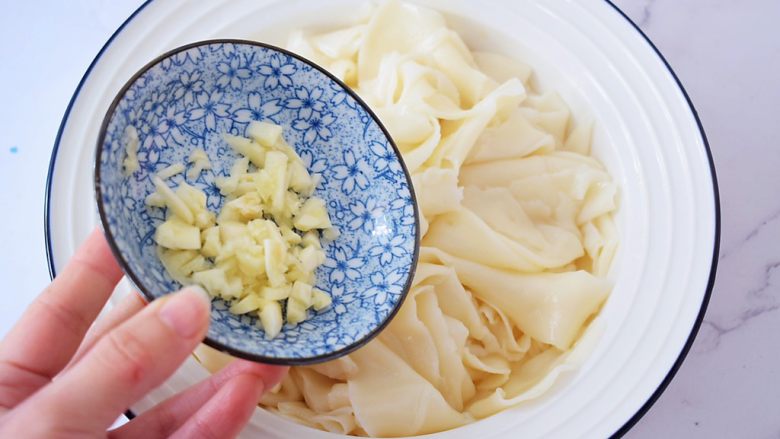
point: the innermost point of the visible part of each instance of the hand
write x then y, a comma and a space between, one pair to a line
57, 382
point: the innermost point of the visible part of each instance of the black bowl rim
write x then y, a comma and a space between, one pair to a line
123, 263
629, 423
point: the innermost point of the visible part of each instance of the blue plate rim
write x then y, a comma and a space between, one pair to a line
716, 200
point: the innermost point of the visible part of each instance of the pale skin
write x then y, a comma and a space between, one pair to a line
61, 376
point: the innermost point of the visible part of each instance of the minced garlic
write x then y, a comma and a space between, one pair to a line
261, 250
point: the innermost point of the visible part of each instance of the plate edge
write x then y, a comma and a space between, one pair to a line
645, 408
58, 138
53, 159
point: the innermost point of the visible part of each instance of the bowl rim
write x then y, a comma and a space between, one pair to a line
139, 286
695, 325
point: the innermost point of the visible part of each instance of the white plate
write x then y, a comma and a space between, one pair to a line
647, 134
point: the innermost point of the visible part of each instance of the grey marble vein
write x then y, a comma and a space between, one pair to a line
774, 216
647, 12
764, 293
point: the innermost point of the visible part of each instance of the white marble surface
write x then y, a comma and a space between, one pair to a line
727, 54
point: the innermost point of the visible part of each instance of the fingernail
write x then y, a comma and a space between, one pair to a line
184, 312
201, 292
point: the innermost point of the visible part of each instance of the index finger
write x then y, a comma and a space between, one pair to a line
51, 329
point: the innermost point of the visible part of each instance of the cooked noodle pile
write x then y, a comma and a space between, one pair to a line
517, 235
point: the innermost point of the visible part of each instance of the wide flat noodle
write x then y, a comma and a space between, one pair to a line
454, 300
475, 236
411, 340
531, 379
341, 420
516, 137
396, 27
314, 387
339, 369
550, 307
456, 146
450, 338
502, 68
549, 113
381, 405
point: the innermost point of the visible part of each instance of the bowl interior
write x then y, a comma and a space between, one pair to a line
187, 99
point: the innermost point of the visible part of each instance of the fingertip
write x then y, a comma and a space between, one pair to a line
186, 312
198, 291
228, 411
250, 383
243, 392
270, 374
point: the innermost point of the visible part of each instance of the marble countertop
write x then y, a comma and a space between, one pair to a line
726, 53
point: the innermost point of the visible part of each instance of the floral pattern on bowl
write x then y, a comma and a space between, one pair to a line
187, 99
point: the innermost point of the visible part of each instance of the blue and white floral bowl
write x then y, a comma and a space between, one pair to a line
186, 99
